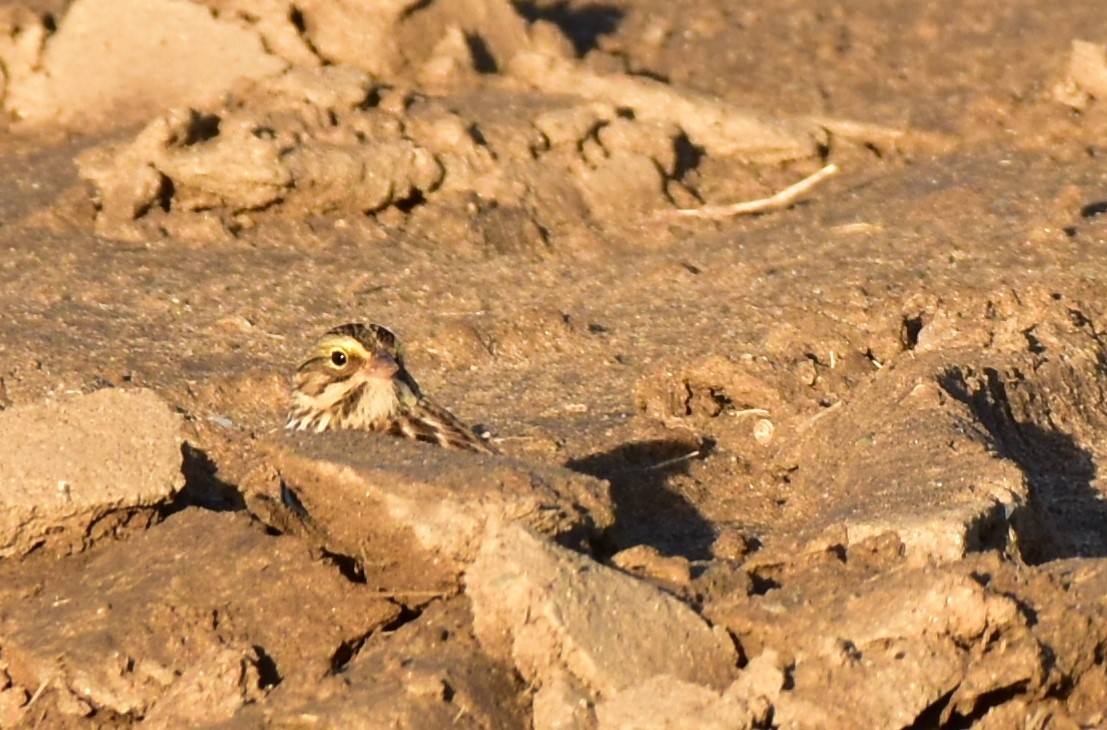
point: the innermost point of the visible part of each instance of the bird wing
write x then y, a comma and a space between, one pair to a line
427, 421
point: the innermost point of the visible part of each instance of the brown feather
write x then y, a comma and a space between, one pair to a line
427, 421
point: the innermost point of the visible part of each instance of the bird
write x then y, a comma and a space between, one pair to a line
354, 378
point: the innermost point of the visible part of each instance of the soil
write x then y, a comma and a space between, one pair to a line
857, 428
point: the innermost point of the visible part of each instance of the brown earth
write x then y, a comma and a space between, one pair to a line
832, 465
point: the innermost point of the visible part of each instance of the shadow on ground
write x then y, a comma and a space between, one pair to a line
203, 487
1067, 515
583, 24
647, 510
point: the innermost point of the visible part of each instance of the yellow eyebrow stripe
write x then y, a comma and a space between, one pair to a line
349, 344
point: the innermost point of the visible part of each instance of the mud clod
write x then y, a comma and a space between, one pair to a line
533, 600
79, 468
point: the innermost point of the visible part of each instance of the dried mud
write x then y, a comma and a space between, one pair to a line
832, 465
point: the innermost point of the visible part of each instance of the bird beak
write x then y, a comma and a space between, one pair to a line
382, 365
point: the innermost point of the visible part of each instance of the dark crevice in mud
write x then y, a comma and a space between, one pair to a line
990, 531
345, 652
475, 134
1092, 210
202, 127
284, 516
268, 674
721, 401
931, 717
411, 202
761, 583
296, 18
291, 500
483, 60
203, 488
582, 23
349, 567
1027, 609
1065, 515
163, 199
1033, 344
647, 510
372, 99
120, 524
983, 705
789, 683
415, 7
407, 615
909, 332
292, 518
644, 73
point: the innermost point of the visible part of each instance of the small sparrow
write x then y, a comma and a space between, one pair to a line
354, 378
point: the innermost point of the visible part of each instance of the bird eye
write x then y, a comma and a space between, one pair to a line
338, 358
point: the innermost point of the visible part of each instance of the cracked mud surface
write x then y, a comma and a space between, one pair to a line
845, 454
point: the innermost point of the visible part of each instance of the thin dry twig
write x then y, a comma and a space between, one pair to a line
674, 460
36, 695
783, 199
751, 412
811, 421
412, 594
